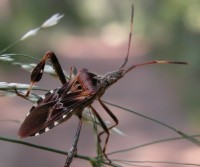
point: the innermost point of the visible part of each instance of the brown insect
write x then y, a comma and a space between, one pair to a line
73, 97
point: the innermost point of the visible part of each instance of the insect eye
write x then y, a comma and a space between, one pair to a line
107, 83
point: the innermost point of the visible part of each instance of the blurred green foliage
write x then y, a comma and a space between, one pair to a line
172, 27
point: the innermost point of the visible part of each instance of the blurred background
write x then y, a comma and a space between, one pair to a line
94, 35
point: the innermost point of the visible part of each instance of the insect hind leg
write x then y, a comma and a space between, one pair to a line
37, 72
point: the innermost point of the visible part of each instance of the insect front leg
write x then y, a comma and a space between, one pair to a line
73, 149
37, 72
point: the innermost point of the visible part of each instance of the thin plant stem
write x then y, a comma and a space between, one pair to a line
20, 55
184, 135
56, 151
9, 46
33, 145
149, 144
160, 162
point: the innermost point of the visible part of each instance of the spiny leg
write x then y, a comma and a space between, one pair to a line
110, 114
73, 149
37, 72
103, 125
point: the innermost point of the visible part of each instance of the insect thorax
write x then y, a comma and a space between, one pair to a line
110, 78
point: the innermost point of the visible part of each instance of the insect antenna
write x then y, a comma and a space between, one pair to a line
142, 64
129, 40
153, 62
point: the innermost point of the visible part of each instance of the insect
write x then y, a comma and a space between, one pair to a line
75, 94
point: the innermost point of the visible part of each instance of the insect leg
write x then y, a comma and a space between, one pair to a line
105, 130
110, 114
70, 73
73, 72
153, 62
37, 72
127, 55
73, 149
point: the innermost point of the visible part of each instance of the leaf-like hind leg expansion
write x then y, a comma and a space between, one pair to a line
73, 149
37, 72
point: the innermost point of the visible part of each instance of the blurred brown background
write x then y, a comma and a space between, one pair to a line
94, 34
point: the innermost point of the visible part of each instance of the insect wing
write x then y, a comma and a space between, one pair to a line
35, 120
52, 111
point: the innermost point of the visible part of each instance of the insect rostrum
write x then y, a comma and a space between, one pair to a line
72, 97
